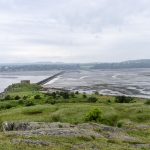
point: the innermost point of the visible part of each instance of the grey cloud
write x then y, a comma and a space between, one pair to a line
98, 29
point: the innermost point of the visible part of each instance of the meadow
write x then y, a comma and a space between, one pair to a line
26, 103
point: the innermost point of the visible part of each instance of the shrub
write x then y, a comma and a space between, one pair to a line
56, 118
25, 97
147, 102
119, 124
110, 119
65, 95
85, 138
60, 126
123, 99
8, 97
20, 102
94, 115
32, 111
77, 92
142, 117
17, 97
29, 103
84, 95
96, 93
37, 97
72, 94
1, 125
6, 106
92, 99
50, 101
54, 95
109, 101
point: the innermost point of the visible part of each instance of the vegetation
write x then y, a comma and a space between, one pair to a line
37, 97
94, 115
124, 99
132, 115
147, 102
92, 99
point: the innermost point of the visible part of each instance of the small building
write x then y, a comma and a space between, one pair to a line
25, 81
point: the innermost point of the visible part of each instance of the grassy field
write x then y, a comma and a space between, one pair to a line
32, 106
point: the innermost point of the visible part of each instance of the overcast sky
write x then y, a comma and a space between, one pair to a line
74, 30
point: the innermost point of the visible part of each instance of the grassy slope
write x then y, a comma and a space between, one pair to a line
131, 115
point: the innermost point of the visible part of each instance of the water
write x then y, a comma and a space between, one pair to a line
132, 82
7, 79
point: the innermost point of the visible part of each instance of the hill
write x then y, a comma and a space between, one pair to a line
145, 63
72, 121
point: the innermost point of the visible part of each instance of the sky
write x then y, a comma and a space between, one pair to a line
74, 30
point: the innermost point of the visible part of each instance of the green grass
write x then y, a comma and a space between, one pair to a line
75, 113
74, 110
61, 143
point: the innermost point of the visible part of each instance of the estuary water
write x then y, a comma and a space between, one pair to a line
131, 82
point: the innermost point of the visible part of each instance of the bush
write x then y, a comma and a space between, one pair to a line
20, 102
94, 115
8, 106
72, 94
54, 95
119, 124
4, 106
17, 97
50, 101
8, 97
123, 99
147, 102
29, 103
1, 125
32, 111
65, 95
110, 119
37, 97
25, 97
84, 95
77, 92
108, 101
92, 99
56, 118
96, 93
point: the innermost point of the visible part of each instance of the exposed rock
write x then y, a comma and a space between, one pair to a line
27, 126
11, 126
142, 146
31, 142
64, 132
84, 147
88, 130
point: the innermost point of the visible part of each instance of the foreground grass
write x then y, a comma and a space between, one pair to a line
74, 113
133, 118
61, 143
